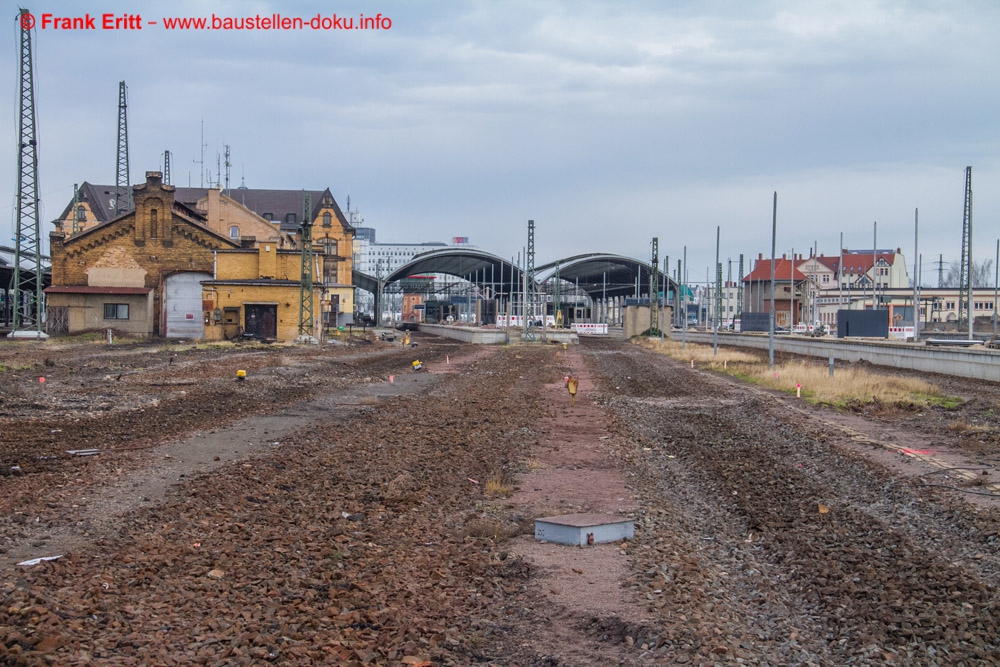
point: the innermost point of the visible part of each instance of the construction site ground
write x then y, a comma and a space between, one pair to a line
338, 507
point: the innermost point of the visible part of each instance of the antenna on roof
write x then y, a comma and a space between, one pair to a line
228, 165
201, 162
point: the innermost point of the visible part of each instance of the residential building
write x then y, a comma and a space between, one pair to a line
788, 289
856, 279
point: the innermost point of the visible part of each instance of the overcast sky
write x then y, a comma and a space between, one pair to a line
608, 123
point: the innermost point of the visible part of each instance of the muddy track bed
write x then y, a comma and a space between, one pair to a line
353, 542
777, 546
370, 525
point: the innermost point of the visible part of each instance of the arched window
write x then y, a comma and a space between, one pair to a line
153, 224
326, 219
234, 232
81, 213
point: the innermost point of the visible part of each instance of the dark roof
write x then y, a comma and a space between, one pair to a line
100, 199
95, 289
279, 203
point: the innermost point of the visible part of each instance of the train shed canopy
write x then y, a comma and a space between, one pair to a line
603, 274
597, 274
477, 266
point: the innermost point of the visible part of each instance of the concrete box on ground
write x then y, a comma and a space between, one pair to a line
584, 529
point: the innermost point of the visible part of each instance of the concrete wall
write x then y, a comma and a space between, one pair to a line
979, 363
86, 312
495, 337
636, 320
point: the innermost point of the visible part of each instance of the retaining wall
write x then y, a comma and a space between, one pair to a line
979, 363
494, 337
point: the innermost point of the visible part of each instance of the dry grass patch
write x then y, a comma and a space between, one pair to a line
534, 464
496, 529
702, 355
961, 426
498, 484
850, 387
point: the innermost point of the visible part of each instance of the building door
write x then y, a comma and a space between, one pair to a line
261, 321
183, 305
57, 320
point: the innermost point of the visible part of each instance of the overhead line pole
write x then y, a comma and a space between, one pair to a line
26, 298
774, 249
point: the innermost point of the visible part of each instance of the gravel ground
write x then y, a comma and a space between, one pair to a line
318, 514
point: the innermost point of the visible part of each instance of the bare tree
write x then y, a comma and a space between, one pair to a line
982, 274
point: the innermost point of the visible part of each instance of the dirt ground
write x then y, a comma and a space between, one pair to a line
319, 513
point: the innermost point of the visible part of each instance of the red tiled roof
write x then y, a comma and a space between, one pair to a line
862, 262
782, 270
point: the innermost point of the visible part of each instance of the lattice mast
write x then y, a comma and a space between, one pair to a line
965, 272
718, 295
26, 298
227, 164
557, 297
739, 290
123, 185
654, 279
166, 168
75, 216
306, 285
532, 293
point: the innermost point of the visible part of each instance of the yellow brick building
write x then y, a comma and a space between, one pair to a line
262, 264
139, 272
257, 292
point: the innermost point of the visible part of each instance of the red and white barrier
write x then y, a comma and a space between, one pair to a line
590, 328
900, 333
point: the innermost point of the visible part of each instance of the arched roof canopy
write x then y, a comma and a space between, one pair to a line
364, 281
598, 274
603, 274
477, 266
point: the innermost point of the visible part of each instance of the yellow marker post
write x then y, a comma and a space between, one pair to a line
241, 376
572, 384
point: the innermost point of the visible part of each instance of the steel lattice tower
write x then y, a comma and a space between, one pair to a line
166, 167
228, 164
306, 285
965, 272
123, 186
556, 296
26, 299
654, 301
531, 294
739, 291
718, 295
75, 225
